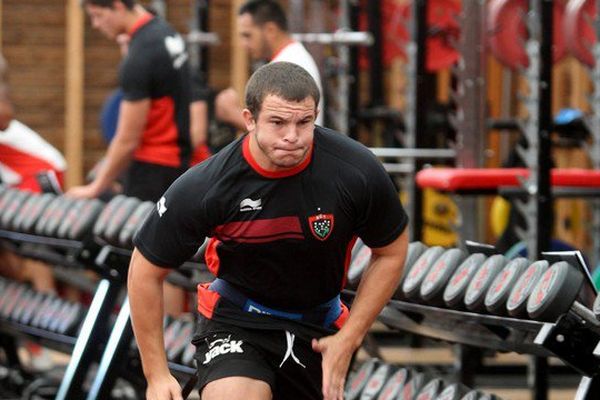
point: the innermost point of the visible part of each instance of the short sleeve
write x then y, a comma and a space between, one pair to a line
136, 77
177, 226
383, 218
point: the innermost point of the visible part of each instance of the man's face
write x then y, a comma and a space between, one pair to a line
106, 20
283, 133
253, 37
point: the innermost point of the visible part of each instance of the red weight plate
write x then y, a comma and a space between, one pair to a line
394, 385
410, 390
497, 294
412, 282
376, 382
516, 304
358, 380
458, 284
430, 390
579, 30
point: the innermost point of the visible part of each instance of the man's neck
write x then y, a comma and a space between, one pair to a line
133, 16
280, 43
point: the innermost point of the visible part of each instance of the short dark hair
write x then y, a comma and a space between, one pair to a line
108, 3
287, 80
263, 11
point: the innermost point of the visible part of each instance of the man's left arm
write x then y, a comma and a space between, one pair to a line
378, 283
132, 122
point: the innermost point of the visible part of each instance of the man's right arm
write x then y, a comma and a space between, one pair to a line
144, 286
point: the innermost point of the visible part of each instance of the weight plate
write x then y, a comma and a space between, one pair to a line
412, 282
497, 294
415, 250
376, 382
394, 384
516, 305
434, 284
454, 293
359, 379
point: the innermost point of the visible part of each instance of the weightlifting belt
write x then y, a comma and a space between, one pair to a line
331, 312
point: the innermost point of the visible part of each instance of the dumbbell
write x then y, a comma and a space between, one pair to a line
120, 216
88, 215
477, 395
171, 332
455, 290
14, 297
187, 358
455, 391
5, 196
481, 282
57, 217
12, 208
37, 209
412, 283
394, 384
21, 305
433, 285
51, 314
180, 341
497, 294
35, 303
556, 293
8, 292
133, 223
431, 389
358, 380
415, 250
24, 212
46, 216
412, 387
40, 313
73, 318
376, 381
106, 215
70, 216
516, 305
359, 260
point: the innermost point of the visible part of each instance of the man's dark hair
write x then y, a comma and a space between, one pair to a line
289, 81
108, 3
263, 11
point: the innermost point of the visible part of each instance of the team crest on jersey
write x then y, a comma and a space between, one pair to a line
321, 225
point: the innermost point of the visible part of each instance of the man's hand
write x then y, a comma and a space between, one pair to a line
84, 192
164, 388
337, 353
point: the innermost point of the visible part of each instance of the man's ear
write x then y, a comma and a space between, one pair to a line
270, 30
248, 120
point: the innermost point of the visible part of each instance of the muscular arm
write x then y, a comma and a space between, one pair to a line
144, 285
198, 122
376, 287
132, 121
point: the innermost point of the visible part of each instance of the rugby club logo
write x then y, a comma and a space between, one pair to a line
321, 225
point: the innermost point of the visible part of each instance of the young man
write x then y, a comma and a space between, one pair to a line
152, 139
283, 206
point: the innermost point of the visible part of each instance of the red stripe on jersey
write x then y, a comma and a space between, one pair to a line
27, 166
338, 323
261, 230
143, 20
159, 142
273, 174
212, 257
207, 300
348, 259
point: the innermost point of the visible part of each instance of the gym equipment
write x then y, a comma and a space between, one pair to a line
516, 305
376, 382
40, 203
11, 210
106, 215
70, 216
497, 294
118, 219
57, 217
454, 293
415, 250
40, 226
25, 212
133, 223
358, 380
454, 391
412, 283
181, 341
412, 387
430, 390
394, 384
88, 215
579, 31
481, 282
434, 284
360, 256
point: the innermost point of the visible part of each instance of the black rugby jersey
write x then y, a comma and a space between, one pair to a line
281, 238
156, 68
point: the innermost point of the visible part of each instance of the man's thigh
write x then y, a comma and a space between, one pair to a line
237, 387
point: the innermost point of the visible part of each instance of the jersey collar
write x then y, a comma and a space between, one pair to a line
281, 49
273, 174
143, 20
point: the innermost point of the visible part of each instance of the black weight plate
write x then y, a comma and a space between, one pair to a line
58, 216
24, 212
415, 250
489, 396
454, 391
358, 380
59, 316
106, 215
5, 200
497, 294
456, 288
40, 226
21, 305
8, 293
376, 382
51, 313
432, 287
555, 292
171, 334
596, 307
70, 217
88, 216
184, 336
40, 313
394, 384
430, 390
133, 223
34, 305
12, 209
357, 266
38, 208
472, 395
187, 358
72, 320
412, 282
121, 215
17, 294
412, 387
481, 282
516, 305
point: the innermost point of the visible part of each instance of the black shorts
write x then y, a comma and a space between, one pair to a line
149, 181
283, 360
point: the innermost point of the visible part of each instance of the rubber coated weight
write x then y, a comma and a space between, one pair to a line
17, 293
394, 384
34, 305
472, 395
72, 320
107, 214
23, 213
412, 387
555, 292
88, 215
58, 216
516, 305
376, 382
5, 200
171, 334
358, 265
8, 293
489, 396
39, 206
412, 283
596, 307
434, 284
187, 358
454, 293
70, 216
23, 302
430, 390
497, 294
41, 311
133, 223
181, 341
579, 31
358, 380
415, 250
454, 391
121, 215
481, 282
12, 208
40, 226
51, 313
